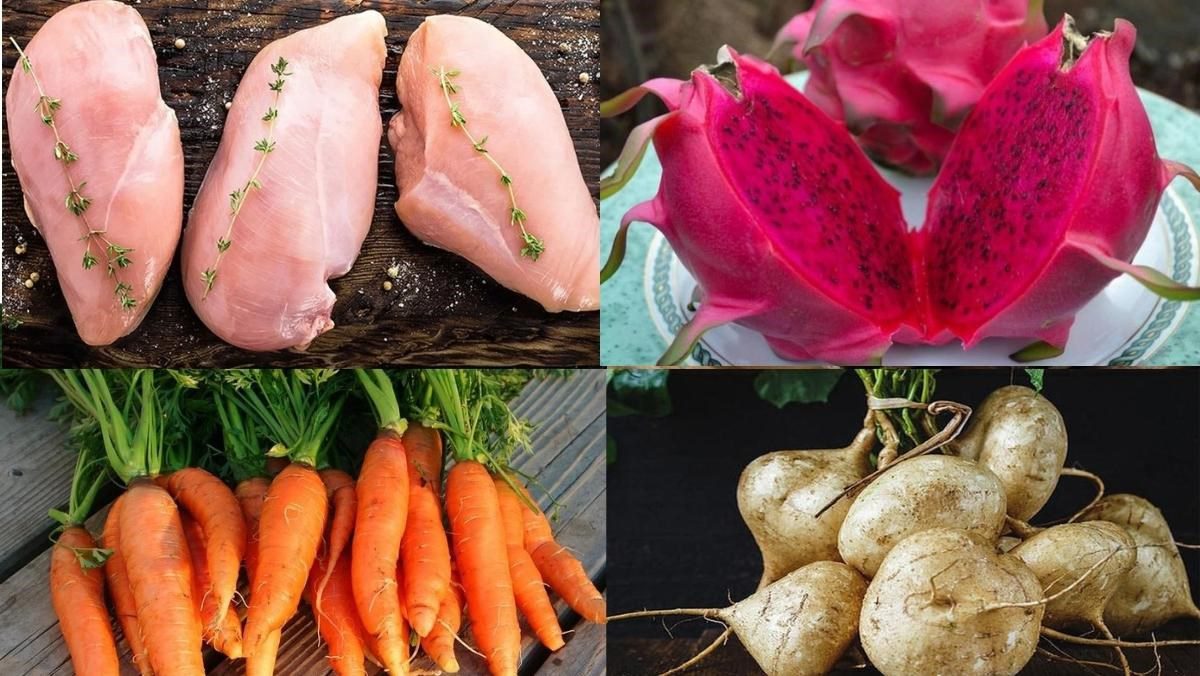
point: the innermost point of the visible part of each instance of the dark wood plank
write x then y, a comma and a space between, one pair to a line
443, 311
36, 462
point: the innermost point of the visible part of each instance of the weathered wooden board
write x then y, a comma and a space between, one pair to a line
567, 463
442, 311
35, 475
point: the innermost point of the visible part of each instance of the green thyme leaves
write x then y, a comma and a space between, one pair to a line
76, 201
533, 246
237, 199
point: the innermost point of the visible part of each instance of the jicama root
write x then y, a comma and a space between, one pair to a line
799, 624
1156, 590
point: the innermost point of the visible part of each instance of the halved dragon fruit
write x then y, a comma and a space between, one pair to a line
1045, 197
776, 211
903, 74
1047, 193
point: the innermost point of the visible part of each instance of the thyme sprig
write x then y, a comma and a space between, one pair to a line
533, 246
116, 257
264, 146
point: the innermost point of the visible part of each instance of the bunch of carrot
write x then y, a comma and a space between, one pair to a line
503, 548
371, 555
170, 585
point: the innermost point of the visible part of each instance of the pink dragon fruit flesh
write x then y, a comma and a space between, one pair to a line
902, 74
1045, 196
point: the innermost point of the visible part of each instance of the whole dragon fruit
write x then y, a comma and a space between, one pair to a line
1045, 197
902, 74
776, 211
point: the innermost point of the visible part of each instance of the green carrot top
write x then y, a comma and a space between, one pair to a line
292, 409
139, 416
86, 481
381, 393
471, 407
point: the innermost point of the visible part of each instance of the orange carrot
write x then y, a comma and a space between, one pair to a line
337, 619
404, 635
160, 577
559, 567
530, 591
289, 533
378, 529
424, 551
77, 594
251, 494
214, 506
343, 508
439, 644
118, 590
224, 635
482, 557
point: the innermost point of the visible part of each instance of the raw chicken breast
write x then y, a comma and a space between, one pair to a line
306, 222
97, 59
452, 197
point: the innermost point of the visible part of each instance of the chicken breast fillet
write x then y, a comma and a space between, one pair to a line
305, 221
96, 62
452, 197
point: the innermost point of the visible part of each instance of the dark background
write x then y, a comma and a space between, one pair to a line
442, 309
676, 538
643, 39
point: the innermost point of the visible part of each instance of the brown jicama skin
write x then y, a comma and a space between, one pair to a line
930, 491
942, 603
1099, 552
1020, 436
796, 626
1156, 590
802, 623
779, 493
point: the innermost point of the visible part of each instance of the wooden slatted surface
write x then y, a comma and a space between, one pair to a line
567, 463
442, 309
35, 470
